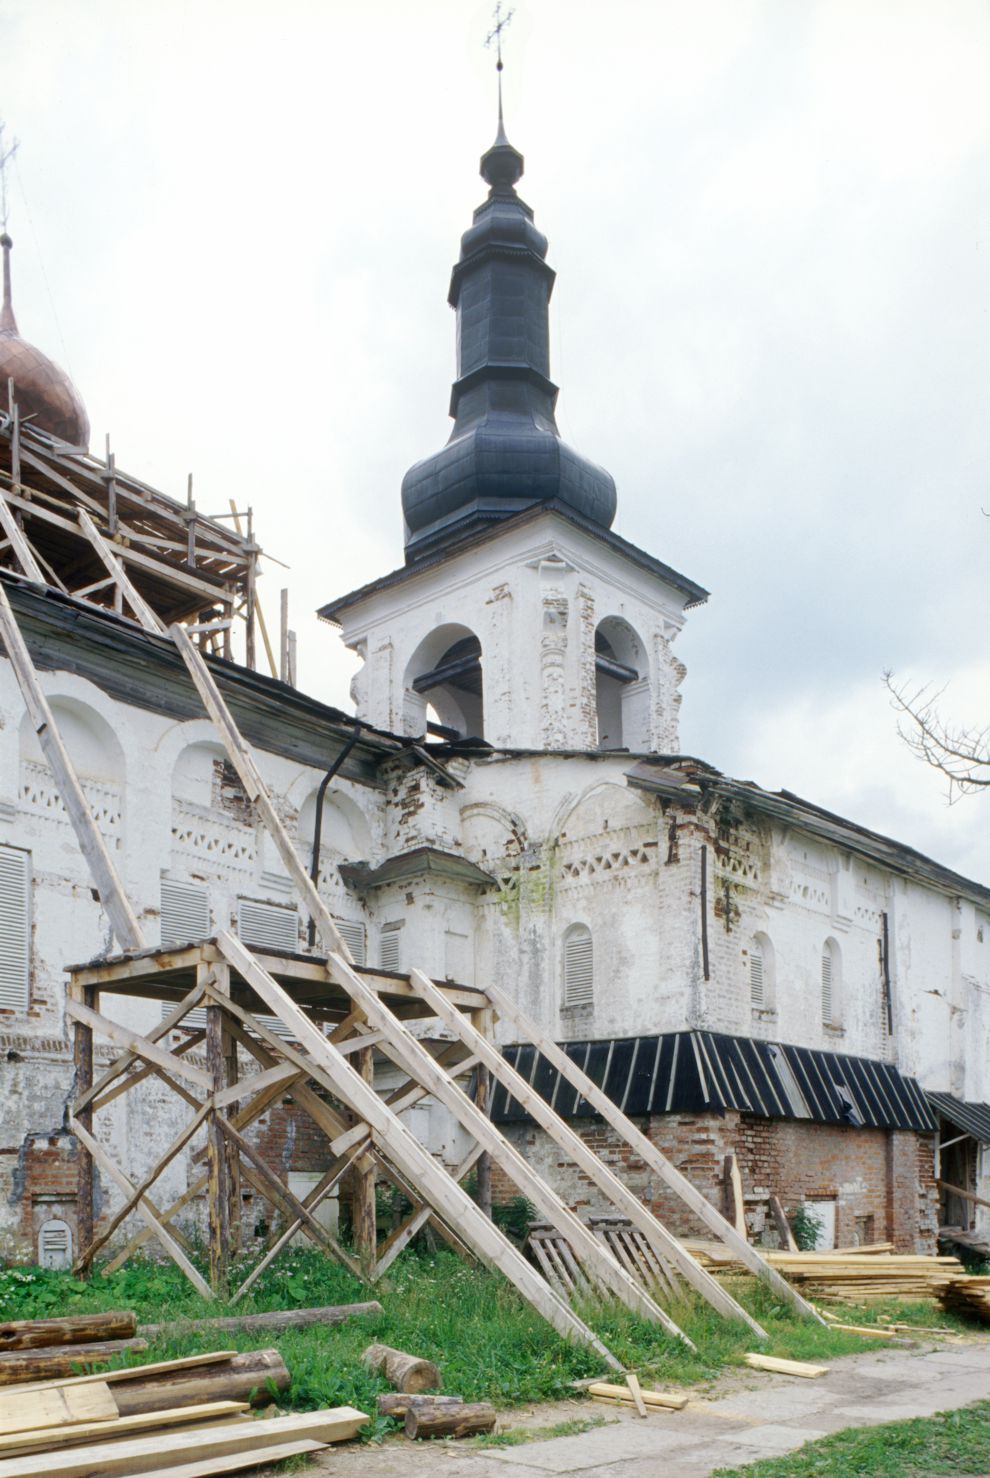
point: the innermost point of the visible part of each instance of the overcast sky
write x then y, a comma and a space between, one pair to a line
235, 221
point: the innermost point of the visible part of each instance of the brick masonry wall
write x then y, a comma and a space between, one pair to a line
882, 1182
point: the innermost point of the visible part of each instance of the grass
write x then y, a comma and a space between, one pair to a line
489, 1343
954, 1442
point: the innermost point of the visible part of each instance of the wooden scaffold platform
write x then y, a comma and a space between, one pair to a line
310, 1025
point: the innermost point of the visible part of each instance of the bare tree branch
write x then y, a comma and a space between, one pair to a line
962, 755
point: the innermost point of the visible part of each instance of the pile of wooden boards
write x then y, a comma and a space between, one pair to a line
188, 1416
969, 1296
855, 1276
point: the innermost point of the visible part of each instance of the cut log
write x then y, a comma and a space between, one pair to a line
457, 1421
54, 1406
279, 1319
129, 1455
652, 1398
248, 1377
133, 1372
20, 1365
46, 1439
398, 1403
213, 1467
405, 1372
786, 1367
83, 1329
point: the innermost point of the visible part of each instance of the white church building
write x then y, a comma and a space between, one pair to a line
742, 972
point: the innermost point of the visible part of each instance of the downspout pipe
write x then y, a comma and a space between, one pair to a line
314, 866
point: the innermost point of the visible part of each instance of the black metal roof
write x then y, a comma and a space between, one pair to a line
972, 1118
693, 1072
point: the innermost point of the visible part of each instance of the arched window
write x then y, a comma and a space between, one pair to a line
444, 685
830, 983
579, 966
621, 687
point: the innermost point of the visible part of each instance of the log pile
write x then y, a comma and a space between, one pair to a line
425, 1416
862, 1275
191, 1414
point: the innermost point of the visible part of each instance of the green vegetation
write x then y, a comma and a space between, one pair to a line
490, 1345
954, 1442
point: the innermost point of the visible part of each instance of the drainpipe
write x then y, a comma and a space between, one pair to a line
314, 866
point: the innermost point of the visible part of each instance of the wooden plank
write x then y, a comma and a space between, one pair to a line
237, 1462
55, 1406
399, 1240
125, 1060
585, 1159
47, 1439
620, 1393
140, 1046
636, 1393
410, 1054
135, 600
732, 1183
786, 1367
432, 1182
144, 1207
82, 1059
254, 785
957, 1190
150, 1454
113, 895
648, 1152
20, 545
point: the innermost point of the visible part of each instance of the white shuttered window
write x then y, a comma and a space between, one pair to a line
267, 925
579, 966
185, 913
757, 983
828, 984
355, 936
390, 946
15, 929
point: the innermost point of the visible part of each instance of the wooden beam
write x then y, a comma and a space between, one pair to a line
431, 1181
20, 545
108, 884
143, 1206
140, 1046
134, 598
218, 1169
648, 1152
125, 1060
399, 1240
363, 1211
82, 1051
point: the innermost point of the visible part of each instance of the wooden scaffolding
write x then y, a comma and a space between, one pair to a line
310, 1025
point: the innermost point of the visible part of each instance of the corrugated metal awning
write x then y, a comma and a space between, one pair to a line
697, 1072
971, 1118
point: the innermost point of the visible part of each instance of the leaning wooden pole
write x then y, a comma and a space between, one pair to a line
647, 1150
108, 884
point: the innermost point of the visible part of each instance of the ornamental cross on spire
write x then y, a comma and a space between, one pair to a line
494, 38
6, 155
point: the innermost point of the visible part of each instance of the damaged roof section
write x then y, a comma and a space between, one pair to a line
697, 1072
972, 1118
692, 781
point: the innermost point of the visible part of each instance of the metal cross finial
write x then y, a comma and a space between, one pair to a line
6, 155
495, 35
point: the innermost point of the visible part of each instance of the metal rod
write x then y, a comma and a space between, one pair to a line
704, 911
314, 867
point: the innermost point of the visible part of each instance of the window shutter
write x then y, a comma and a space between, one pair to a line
827, 987
579, 972
355, 936
185, 913
267, 925
757, 993
15, 929
389, 946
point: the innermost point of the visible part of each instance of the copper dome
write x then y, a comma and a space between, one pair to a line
42, 390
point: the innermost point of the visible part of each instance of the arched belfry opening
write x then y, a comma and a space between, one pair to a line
622, 688
444, 685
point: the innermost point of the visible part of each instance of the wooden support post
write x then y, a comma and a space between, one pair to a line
218, 1174
482, 1022
233, 1165
85, 1170
363, 1182
283, 640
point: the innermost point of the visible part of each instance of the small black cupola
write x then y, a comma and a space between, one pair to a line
505, 453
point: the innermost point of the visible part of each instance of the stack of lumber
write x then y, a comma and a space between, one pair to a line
860, 1275
969, 1296
188, 1416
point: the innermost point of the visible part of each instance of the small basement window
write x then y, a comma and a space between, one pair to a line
579, 966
